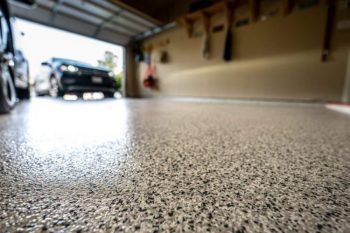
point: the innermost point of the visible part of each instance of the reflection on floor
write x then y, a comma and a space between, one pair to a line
159, 165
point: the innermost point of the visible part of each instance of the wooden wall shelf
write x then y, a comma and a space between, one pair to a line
204, 15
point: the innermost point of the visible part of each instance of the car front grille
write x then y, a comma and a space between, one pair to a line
92, 72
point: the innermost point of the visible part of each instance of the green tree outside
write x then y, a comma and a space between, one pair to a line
110, 61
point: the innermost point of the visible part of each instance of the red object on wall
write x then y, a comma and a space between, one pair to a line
149, 80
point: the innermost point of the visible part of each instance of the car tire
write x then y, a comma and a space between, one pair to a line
23, 94
55, 90
42, 94
38, 94
8, 95
108, 94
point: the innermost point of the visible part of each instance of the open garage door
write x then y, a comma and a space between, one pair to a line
109, 21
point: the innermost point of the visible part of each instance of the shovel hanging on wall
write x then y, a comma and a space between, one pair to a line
227, 56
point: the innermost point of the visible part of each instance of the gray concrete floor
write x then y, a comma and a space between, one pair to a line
160, 165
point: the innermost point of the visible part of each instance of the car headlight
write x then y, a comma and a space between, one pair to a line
72, 69
111, 74
69, 68
63, 68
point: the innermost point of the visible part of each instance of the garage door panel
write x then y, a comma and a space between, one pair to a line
78, 14
99, 19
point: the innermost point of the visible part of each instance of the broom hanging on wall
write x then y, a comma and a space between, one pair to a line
227, 56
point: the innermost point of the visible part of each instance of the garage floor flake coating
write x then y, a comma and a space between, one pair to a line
167, 166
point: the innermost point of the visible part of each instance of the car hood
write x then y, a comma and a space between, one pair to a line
85, 66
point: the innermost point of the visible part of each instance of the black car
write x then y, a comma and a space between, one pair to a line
14, 73
60, 76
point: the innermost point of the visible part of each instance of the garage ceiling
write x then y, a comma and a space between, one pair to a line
167, 11
112, 21
164, 11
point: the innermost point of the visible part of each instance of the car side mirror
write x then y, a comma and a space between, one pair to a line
46, 64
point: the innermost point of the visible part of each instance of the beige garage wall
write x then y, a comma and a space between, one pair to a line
274, 59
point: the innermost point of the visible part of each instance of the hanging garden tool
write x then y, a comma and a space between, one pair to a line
229, 37
149, 80
206, 50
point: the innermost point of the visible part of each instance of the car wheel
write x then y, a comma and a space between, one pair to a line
55, 89
23, 94
7, 90
41, 94
108, 94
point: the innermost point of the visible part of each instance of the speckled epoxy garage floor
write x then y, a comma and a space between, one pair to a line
169, 166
